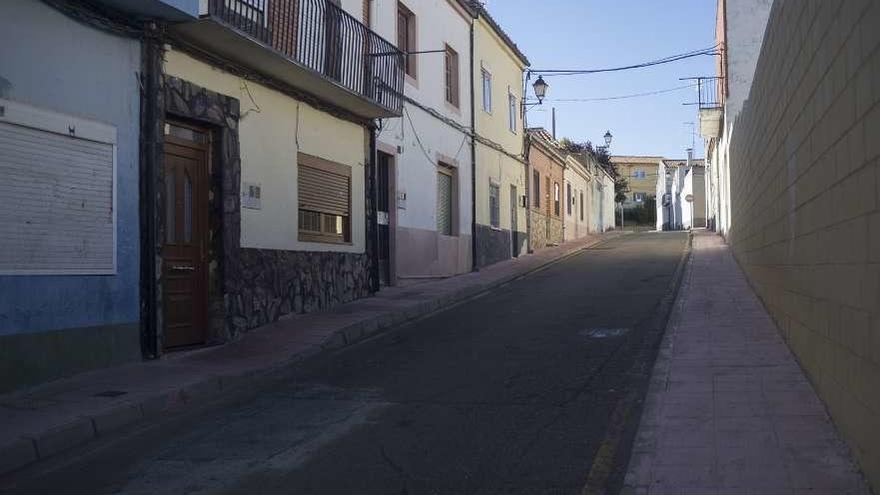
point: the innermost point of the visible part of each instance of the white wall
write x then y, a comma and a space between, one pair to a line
576, 175
608, 204
661, 190
422, 140
687, 188
746, 23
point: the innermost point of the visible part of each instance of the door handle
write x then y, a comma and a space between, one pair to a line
183, 268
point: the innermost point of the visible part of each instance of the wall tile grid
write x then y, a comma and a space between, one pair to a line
805, 181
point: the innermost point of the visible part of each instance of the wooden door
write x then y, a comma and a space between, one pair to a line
549, 208
384, 202
514, 242
184, 254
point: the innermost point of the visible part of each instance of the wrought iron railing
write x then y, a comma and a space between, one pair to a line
708, 91
321, 36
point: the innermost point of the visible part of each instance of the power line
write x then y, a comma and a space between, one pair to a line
711, 51
621, 97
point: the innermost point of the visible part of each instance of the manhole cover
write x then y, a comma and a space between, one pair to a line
604, 333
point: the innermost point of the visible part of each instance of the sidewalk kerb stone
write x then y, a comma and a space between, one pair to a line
64, 437
116, 417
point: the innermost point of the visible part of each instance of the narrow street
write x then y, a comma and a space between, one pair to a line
512, 392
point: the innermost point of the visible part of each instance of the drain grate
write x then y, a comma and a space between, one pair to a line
604, 333
110, 393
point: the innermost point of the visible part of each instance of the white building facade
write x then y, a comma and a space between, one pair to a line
426, 155
740, 24
578, 194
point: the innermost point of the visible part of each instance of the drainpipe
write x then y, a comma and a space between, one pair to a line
474, 266
150, 160
372, 214
528, 166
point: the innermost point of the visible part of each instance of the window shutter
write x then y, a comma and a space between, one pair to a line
444, 203
56, 212
323, 191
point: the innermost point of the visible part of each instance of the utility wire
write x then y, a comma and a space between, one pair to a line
711, 51
621, 97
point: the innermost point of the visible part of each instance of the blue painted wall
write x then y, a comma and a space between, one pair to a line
50, 61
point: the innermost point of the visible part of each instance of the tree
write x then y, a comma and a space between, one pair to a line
621, 185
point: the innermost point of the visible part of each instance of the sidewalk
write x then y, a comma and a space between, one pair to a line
729, 410
39, 422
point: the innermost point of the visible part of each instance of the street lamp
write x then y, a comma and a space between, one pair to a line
608, 137
540, 88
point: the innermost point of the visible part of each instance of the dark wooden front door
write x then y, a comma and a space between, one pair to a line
514, 242
384, 200
184, 255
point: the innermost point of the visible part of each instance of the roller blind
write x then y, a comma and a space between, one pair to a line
444, 203
56, 212
323, 190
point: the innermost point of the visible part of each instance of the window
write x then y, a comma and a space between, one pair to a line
511, 110
451, 76
324, 189
556, 198
487, 91
568, 197
406, 39
446, 212
536, 185
639, 197
640, 174
494, 205
582, 205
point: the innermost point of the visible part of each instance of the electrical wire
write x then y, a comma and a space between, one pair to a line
418, 139
711, 51
620, 97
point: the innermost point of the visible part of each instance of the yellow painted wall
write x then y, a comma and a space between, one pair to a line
504, 171
492, 54
648, 185
804, 192
273, 128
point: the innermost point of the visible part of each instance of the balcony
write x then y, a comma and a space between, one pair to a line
311, 45
710, 106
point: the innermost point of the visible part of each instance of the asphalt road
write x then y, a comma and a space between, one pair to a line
534, 387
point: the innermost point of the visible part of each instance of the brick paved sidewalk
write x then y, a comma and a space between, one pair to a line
729, 410
45, 420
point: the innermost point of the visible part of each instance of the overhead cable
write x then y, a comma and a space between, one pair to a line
711, 51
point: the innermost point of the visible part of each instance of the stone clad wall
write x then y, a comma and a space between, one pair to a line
252, 287
805, 181
266, 284
540, 239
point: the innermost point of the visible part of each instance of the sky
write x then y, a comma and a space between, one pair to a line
588, 34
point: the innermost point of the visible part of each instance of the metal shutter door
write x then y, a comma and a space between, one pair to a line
56, 215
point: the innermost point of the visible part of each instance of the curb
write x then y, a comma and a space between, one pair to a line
31, 448
608, 474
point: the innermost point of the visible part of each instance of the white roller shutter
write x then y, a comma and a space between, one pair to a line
57, 193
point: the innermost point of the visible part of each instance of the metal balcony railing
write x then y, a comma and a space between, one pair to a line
708, 91
321, 36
